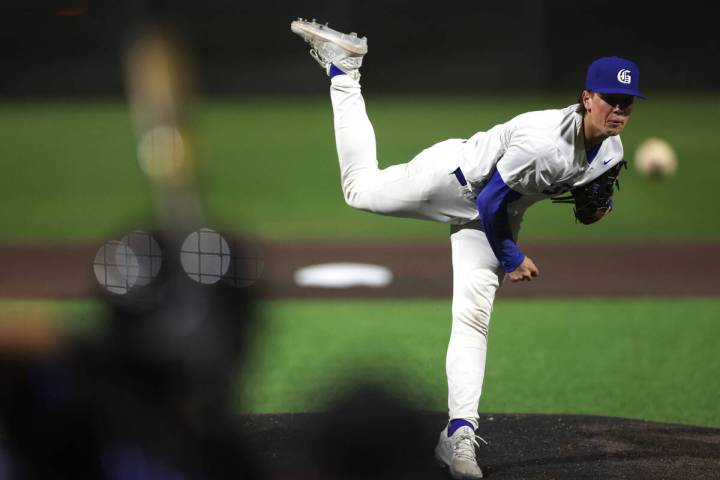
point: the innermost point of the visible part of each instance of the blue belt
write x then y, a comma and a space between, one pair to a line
460, 177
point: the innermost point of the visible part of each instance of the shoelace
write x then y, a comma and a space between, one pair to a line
466, 444
316, 56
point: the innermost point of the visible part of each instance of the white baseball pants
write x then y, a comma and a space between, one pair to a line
426, 188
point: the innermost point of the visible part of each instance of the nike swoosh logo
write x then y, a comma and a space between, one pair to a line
607, 161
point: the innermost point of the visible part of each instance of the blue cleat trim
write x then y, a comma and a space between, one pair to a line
334, 71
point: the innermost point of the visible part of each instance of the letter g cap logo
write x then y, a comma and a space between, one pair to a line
624, 76
614, 75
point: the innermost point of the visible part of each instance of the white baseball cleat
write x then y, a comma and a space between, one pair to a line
330, 47
458, 453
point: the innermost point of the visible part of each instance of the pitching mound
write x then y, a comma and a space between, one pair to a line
297, 446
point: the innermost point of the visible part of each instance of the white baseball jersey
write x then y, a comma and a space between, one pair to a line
538, 153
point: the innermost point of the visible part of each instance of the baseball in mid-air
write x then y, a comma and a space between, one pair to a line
655, 158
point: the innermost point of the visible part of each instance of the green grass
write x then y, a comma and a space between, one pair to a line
69, 168
647, 359
652, 359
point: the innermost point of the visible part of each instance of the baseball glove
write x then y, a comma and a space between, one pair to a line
594, 200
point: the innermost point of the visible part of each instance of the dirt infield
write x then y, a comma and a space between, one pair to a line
420, 270
519, 447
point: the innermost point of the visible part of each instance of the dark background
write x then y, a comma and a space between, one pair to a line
72, 47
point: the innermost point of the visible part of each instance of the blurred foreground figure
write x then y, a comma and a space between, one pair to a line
481, 186
148, 398
369, 434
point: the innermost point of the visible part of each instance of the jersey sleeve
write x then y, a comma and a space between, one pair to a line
529, 165
492, 205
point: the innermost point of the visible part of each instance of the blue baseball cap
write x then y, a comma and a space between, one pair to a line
614, 75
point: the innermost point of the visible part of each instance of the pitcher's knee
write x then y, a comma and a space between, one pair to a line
472, 317
355, 189
473, 298
356, 200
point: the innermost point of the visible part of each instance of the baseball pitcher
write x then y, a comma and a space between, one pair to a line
481, 187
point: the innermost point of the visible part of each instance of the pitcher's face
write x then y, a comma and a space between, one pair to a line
607, 113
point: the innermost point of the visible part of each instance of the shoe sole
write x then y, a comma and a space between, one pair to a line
442, 463
445, 465
303, 29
